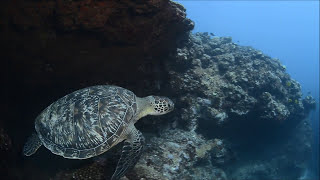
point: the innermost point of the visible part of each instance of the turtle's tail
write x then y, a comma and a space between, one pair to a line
32, 145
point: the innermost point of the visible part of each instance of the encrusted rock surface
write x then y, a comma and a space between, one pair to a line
227, 83
245, 98
178, 154
96, 170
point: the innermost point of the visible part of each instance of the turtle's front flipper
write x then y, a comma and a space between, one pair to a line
131, 152
32, 145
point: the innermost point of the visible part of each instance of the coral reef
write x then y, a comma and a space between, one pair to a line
238, 114
95, 170
229, 82
241, 96
178, 154
232, 116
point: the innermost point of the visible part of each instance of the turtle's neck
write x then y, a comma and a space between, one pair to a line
143, 107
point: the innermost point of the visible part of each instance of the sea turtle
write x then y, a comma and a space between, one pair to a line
90, 121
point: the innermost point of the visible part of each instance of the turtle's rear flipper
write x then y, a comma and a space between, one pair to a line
131, 152
32, 145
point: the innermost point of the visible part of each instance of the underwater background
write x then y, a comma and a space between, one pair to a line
288, 30
244, 77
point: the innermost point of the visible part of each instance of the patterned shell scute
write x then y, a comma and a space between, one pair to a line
86, 122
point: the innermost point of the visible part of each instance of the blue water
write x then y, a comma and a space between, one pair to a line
288, 30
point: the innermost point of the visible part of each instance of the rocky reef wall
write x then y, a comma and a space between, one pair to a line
238, 114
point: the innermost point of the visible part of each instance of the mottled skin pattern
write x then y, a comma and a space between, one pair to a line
87, 122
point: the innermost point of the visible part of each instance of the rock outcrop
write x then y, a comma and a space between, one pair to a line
244, 98
227, 83
79, 43
53, 47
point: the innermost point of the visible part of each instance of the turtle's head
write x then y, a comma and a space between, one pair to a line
160, 105
153, 105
